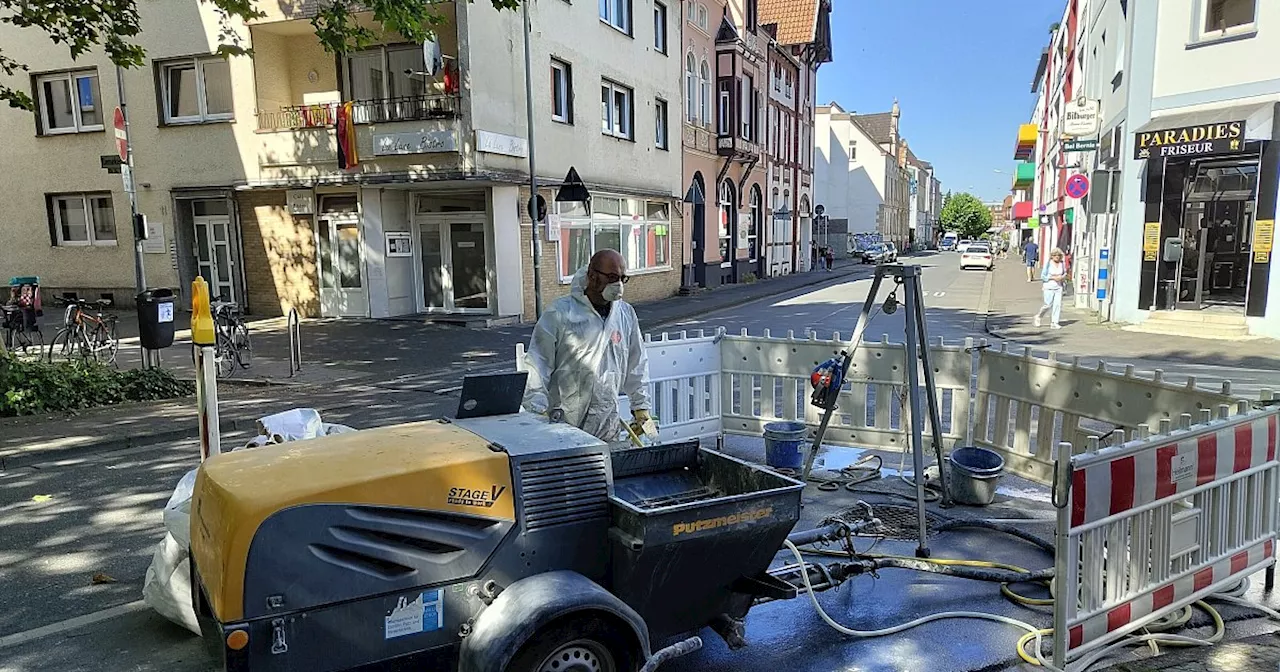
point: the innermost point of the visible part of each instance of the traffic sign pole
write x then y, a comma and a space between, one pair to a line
126, 171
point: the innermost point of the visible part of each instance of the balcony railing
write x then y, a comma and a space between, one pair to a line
375, 111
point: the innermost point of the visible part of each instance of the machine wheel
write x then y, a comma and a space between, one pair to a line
586, 644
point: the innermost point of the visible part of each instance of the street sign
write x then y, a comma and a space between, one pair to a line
126, 175
1077, 185
122, 141
1083, 145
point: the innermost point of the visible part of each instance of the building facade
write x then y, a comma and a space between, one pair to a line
385, 182
1177, 233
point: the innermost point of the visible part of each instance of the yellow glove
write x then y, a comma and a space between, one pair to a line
642, 423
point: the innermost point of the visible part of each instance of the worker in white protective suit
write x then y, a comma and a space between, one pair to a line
586, 349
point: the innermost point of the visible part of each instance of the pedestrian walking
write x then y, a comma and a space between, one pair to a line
1052, 280
831, 258
1031, 256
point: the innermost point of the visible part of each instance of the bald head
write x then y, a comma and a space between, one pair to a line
605, 268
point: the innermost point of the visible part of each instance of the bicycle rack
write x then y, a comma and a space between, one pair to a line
295, 342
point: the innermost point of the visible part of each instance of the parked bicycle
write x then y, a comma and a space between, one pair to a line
232, 347
21, 330
87, 332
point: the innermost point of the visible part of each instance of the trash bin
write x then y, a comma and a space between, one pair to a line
975, 473
782, 441
155, 318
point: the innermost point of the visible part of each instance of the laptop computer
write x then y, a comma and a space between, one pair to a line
489, 394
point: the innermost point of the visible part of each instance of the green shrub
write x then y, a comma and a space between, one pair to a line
28, 387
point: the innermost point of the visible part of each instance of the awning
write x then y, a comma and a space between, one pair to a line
1258, 119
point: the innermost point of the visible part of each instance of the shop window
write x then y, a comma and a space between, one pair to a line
195, 90
561, 88
1227, 17
639, 230
616, 110
70, 102
82, 219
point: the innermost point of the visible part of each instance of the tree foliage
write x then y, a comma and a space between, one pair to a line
966, 215
114, 26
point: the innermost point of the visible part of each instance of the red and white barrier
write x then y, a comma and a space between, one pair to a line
1150, 526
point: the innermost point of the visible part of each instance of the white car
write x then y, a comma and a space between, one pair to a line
977, 255
963, 245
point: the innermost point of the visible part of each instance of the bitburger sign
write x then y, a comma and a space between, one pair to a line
1190, 141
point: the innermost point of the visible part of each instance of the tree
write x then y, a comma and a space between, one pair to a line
114, 26
966, 215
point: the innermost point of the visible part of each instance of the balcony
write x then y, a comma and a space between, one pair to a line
1025, 175
377, 111
1026, 145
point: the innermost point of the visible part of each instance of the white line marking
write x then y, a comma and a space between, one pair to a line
70, 624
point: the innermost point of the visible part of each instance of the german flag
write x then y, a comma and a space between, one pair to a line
348, 158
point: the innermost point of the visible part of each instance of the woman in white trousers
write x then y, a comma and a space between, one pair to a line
1052, 279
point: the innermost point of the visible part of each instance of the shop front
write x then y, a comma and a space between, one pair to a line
1209, 199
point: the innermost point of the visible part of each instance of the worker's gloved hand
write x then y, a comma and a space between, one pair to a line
642, 423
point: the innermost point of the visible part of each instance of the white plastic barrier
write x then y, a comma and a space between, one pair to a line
1027, 405
766, 379
1152, 525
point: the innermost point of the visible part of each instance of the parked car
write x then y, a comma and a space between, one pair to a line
880, 253
977, 255
963, 245
948, 242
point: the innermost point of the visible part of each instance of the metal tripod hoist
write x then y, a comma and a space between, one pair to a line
828, 381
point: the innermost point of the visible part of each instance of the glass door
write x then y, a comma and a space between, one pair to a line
339, 251
454, 262
213, 248
1217, 231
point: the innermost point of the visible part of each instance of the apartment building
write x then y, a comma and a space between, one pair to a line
801, 41
861, 176
385, 182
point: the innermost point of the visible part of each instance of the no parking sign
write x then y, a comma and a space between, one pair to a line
1077, 185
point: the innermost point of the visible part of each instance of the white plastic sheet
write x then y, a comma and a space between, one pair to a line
167, 586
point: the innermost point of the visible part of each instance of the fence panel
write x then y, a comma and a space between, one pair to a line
870, 406
1027, 405
1152, 525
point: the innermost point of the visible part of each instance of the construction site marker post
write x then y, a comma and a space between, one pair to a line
203, 337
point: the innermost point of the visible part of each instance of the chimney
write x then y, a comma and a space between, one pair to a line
893, 123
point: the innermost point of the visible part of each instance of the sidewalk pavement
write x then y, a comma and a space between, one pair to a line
1014, 301
358, 372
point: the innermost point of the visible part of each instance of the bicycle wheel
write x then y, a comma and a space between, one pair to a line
105, 343
65, 345
224, 356
243, 346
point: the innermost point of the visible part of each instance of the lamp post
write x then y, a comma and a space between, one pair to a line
533, 172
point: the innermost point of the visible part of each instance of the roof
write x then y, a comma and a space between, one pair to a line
876, 125
797, 20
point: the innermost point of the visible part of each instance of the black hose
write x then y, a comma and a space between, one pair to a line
998, 527
992, 574
826, 533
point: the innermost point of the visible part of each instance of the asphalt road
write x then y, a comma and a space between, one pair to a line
66, 522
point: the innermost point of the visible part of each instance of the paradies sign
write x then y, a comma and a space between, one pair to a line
1190, 140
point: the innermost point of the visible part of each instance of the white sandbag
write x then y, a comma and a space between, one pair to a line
167, 586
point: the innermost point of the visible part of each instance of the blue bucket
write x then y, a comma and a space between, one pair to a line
782, 444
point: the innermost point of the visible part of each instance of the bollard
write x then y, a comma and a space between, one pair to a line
294, 328
202, 335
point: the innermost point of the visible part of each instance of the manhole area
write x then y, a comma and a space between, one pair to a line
897, 521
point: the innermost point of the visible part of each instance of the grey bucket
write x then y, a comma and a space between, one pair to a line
975, 474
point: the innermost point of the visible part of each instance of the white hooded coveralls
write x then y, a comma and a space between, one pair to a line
579, 362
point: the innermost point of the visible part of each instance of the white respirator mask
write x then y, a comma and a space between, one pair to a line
612, 291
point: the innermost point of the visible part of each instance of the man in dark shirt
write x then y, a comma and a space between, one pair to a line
1031, 255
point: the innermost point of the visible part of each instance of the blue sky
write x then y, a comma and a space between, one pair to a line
960, 70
